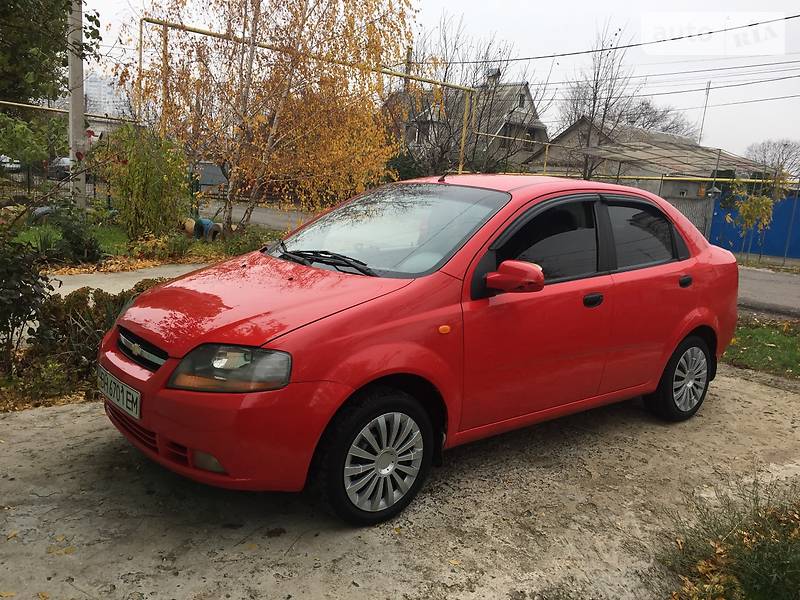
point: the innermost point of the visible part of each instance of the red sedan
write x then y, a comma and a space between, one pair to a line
416, 317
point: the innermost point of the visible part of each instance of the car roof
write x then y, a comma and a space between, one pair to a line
518, 184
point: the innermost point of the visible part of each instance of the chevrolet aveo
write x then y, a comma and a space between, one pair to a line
414, 318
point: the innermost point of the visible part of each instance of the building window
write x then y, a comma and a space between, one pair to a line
522, 100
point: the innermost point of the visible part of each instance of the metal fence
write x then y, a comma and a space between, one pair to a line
699, 211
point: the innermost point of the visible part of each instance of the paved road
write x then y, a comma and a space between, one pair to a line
262, 215
769, 291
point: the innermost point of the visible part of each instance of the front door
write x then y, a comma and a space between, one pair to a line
526, 352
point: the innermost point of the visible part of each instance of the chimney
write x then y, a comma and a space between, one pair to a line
492, 77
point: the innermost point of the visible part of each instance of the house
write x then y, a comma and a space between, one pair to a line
673, 166
504, 128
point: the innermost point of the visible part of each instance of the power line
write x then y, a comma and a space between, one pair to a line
621, 47
702, 89
687, 72
742, 102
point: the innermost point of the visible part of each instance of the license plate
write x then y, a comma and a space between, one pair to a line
124, 396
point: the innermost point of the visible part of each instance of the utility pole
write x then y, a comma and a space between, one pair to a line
76, 106
705, 107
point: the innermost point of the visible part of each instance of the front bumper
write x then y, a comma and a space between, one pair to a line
264, 440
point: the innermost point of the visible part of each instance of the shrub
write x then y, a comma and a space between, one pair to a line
149, 177
252, 238
78, 241
23, 292
743, 544
174, 245
71, 328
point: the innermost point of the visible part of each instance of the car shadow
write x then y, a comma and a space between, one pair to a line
139, 486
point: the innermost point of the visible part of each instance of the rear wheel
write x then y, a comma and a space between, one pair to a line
684, 384
375, 456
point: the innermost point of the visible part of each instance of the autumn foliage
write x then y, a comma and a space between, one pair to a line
299, 120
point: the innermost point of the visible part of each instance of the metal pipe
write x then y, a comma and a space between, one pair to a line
467, 103
791, 224
333, 61
546, 154
65, 112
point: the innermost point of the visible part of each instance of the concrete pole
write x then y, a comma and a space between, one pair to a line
77, 135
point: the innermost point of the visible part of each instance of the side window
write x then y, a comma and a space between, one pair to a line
562, 240
642, 235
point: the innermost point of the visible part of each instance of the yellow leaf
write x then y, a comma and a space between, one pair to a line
11, 535
69, 550
44, 596
60, 538
455, 563
7, 594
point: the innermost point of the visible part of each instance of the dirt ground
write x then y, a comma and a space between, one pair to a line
574, 508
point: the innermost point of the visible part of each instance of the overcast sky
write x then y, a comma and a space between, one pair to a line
536, 28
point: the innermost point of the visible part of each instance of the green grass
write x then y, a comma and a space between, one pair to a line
770, 346
742, 543
113, 239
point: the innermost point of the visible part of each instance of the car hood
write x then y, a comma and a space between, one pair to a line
247, 300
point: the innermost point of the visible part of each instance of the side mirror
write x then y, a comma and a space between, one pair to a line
516, 276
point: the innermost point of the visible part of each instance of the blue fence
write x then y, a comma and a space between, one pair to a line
785, 227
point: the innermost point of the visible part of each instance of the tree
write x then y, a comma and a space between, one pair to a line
33, 47
288, 123
601, 94
645, 114
782, 157
604, 95
430, 118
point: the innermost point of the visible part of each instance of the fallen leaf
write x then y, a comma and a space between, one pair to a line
44, 596
7, 594
69, 550
11, 535
60, 538
455, 563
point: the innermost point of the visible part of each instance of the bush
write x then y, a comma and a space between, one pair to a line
174, 245
252, 238
71, 328
45, 240
78, 242
743, 544
23, 292
149, 177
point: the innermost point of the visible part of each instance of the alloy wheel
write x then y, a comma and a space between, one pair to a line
383, 461
690, 378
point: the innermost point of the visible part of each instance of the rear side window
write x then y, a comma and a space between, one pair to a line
562, 240
642, 235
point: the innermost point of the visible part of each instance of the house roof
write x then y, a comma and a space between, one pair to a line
665, 152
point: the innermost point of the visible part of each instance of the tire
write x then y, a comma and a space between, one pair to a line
684, 384
349, 459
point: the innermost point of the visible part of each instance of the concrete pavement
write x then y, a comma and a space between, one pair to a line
114, 283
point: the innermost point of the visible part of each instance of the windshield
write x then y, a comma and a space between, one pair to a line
400, 230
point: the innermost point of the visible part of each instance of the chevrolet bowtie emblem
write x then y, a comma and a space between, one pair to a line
136, 349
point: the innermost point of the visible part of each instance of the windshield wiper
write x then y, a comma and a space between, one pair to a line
293, 256
335, 259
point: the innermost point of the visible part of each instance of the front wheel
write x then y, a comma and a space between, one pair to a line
375, 456
684, 384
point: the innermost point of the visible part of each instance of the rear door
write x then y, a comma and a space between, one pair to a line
654, 290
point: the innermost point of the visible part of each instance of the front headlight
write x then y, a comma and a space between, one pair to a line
218, 368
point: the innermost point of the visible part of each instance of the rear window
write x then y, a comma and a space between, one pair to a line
642, 235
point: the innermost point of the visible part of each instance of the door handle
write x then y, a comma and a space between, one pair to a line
592, 300
685, 281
